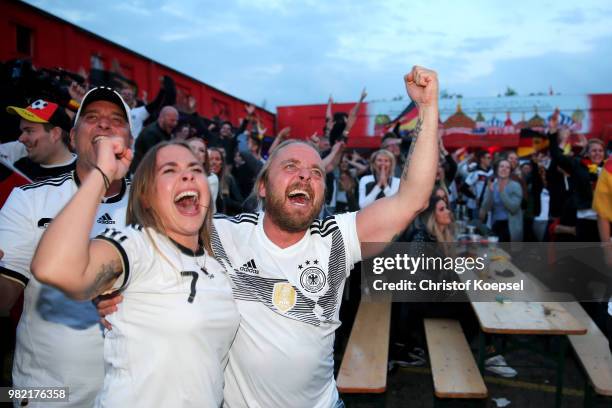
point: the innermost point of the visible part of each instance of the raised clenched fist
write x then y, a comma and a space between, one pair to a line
422, 86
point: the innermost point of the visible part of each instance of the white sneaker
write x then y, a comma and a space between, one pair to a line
497, 365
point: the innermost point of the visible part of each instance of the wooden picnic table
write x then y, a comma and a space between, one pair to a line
503, 316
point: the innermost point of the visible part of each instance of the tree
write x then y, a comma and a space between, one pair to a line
510, 92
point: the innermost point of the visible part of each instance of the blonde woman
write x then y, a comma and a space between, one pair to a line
229, 200
198, 146
381, 183
436, 222
171, 337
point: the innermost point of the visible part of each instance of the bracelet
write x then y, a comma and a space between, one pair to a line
106, 180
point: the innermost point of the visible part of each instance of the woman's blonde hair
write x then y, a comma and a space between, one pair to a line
384, 152
140, 211
444, 236
223, 179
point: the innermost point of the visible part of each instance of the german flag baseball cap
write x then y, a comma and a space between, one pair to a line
102, 93
41, 111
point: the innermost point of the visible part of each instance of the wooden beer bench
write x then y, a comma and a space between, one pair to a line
364, 365
453, 368
593, 352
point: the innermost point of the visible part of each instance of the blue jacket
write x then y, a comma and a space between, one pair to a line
511, 197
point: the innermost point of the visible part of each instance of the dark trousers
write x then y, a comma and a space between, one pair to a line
586, 230
501, 229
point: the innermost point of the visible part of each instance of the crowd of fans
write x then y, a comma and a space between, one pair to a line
546, 196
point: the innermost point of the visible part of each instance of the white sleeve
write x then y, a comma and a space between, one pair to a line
18, 236
12, 151
213, 183
471, 178
367, 199
393, 187
138, 116
134, 251
347, 223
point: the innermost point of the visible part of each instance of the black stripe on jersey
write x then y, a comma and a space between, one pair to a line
54, 181
326, 233
329, 222
12, 275
218, 250
252, 288
124, 257
240, 218
336, 274
324, 227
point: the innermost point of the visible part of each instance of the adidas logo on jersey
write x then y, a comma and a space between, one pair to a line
250, 267
105, 219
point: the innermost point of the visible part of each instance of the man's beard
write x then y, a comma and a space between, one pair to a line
290, 222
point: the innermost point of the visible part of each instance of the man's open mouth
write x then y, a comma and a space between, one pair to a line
299, 197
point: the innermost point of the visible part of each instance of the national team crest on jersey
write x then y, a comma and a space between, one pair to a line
284, 296
312, 278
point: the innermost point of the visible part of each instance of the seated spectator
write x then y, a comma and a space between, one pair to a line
140, 113
583, 172
542, 202
229, 200
476, 180
183, 132
158, 131
392, 143
42, 150
346, 187
198, 146
254, 146
245, 170
447, 168
437, 223
502, 198
440, 192
381, 182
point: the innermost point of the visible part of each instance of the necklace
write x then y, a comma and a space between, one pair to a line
202, 263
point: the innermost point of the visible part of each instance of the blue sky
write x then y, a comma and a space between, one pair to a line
298, 52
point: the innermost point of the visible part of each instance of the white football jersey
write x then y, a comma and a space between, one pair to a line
289, 300
172, 333
59, 340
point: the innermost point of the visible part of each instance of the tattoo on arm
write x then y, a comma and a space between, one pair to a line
106, 274
417, 133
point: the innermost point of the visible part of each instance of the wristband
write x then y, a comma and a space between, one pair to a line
106, 180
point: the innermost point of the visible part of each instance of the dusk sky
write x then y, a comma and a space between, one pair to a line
298, 52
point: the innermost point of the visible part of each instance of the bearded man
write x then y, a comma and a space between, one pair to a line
288, 268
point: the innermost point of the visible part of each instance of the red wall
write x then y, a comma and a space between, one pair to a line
57, 43
601, 116
305, 120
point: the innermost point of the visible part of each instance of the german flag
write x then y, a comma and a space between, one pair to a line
10, 178
407, 119
602, 199
531, 142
